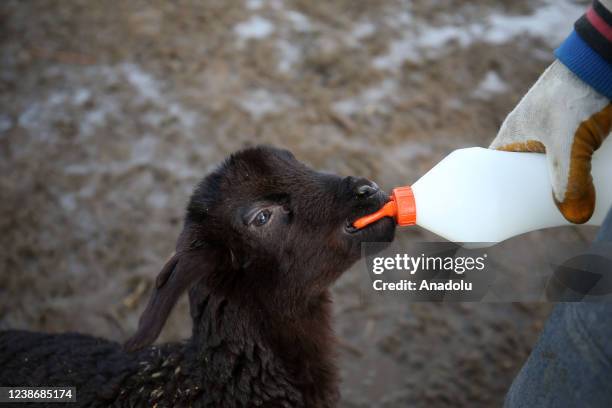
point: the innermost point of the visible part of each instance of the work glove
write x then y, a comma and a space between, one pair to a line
568, 120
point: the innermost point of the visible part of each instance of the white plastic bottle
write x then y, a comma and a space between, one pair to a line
481, 195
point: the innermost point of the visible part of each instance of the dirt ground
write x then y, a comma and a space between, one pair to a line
111, 112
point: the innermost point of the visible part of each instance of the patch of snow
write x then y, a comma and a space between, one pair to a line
439, 36
254, 28
144, 83
96, 105
298, 21
491, 84
57, 98
552, 22
254, 4
287, 22
97, 116
363, 30
81, 96
150, 91
186, 117
369, 99
261, 102
39, 117
258, 4
288, 55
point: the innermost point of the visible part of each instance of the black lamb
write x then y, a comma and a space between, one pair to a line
264, 238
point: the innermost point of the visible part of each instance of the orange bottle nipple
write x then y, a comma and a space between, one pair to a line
402, 208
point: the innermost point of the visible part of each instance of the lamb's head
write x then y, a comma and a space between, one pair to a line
282, 224
270, 227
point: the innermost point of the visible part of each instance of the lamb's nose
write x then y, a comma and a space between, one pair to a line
366, 190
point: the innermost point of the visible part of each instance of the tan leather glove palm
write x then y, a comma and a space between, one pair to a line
568, 120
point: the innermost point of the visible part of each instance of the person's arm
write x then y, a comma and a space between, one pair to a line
567, 113
587, 52
571, 363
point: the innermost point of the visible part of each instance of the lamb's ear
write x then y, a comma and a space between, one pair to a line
177, 275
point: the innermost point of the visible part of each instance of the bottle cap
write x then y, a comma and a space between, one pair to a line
402, 208
406, 206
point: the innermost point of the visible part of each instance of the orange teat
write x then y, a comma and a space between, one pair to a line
387, 210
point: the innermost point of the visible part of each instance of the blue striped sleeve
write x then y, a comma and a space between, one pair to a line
587, 64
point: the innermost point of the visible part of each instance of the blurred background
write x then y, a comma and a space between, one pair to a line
110, 112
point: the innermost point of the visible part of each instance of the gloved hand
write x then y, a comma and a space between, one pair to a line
568, 120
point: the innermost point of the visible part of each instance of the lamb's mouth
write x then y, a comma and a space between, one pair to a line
349, 228
380, 199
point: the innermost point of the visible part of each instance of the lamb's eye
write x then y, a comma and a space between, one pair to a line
262, 217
